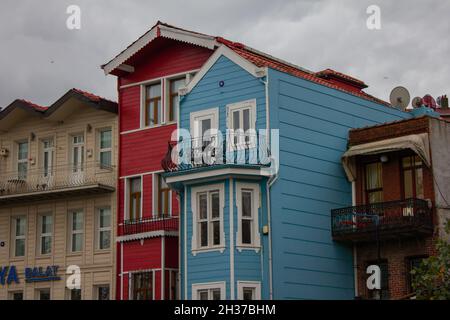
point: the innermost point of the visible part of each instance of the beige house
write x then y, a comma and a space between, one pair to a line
58, 198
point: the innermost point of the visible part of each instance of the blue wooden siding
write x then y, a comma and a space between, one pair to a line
239, 85
215, 266
314, 122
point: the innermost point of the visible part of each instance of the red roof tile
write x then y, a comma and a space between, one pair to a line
33, 105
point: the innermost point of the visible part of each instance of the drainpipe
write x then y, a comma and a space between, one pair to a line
270, 182
355, 251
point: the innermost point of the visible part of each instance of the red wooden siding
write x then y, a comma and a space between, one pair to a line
142, 151
142, 257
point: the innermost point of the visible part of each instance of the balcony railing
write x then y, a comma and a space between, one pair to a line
237, 150
43, 182
386, 220
148, 225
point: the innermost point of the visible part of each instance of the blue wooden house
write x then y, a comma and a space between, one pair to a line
250, 232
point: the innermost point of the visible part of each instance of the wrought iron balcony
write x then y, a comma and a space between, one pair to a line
149, 225
197, 153
391, 220
56, 181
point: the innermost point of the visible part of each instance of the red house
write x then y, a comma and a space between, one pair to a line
149, 73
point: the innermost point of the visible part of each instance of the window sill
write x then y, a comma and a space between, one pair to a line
195, 251
102, 251
15, 259
241, 247
74, 254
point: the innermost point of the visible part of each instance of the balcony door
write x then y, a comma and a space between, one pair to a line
47, 162
77, 172
203, 125
373, 182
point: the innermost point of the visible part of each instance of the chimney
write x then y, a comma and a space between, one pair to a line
341, 80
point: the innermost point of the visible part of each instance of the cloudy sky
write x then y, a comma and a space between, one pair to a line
40, 59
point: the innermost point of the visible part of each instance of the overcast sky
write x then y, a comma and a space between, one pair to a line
41, 59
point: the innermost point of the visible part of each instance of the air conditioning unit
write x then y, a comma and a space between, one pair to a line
4, 152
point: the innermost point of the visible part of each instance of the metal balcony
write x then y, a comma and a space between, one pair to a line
55, 182
245, 150
385, 220
149, 225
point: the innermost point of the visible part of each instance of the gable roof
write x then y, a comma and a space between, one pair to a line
257, 58
33, 109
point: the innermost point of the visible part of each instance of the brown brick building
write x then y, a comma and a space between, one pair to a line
401, 192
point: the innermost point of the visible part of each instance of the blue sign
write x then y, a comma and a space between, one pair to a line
38, 274
9, 275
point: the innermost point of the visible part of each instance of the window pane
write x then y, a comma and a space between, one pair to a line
77, 242
246, 116
204, 234
103, 293
154, 91
408, 185
75, 294
248, 294
22, 169
216, 233
20, 247
203, 212
175, 85
105, 158
105, 139
77, 221
206, 125
374, 176
419, 183
105, 239
246, 204
20, 226
216, 294
46, 245
215, 205
44, 294
47, 224
105, 218
203, 295
406, 162
246, 231
236, 122
23, 151
375, 197
17, 296
135, 185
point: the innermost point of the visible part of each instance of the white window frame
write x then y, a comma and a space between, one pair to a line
81, 166
255, 285
100, 149
100, 229
196, 287
42, 235
256, 237
72, 232
131, 282
241, 106
127, 186
195, 232
16, 237
195, 117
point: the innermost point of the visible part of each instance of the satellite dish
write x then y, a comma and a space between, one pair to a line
429, 101
399, 98
417, 102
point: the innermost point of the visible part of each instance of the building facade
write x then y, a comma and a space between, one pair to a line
57, 198
248, 232
149, 73
399, 172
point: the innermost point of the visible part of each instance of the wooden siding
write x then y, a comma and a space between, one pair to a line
314, 122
